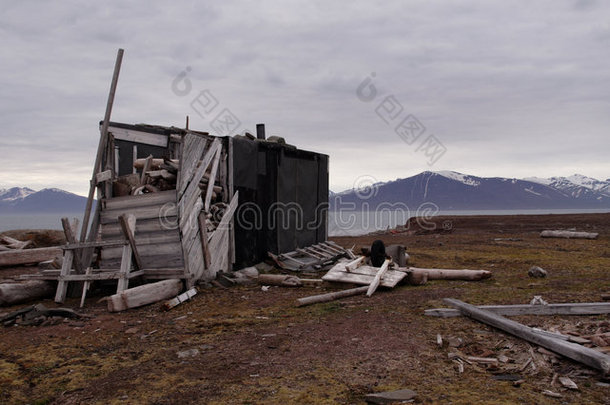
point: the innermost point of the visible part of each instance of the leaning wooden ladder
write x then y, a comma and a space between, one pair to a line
72, 267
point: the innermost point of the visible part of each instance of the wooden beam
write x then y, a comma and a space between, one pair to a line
128, 226
144, 295
28, 256
569, 235
65, 223
102, 144
212, 179
377, 279
451, 274
590, 357
586, 308
146, 138
62, 286
331, 296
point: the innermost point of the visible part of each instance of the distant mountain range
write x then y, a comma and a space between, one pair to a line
456, 191
23, 200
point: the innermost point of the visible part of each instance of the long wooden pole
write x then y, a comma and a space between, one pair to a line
102, 145
574, 351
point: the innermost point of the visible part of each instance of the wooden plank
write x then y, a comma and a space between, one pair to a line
110, 216
146, 250
148, 227
142, 200
146, 168
193, 191
354, 264
103, 176
590, 357
101, 147
28, 256
146, 138
99, 243
192, 152
331, 296
585, 308
363, 275
226, 218
211, 180
230, 196
123, 282
150, 262
203, 235
86, 285
128, 224
375, 283
569, 234
62, 286
65, 223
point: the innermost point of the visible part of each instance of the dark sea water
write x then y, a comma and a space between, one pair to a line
35, 221
347, 223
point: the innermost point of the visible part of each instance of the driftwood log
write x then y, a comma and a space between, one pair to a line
569, 234
28, 256
301, 302
449, 274
590, 357
17, 293
144, 295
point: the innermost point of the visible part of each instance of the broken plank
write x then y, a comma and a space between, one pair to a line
573, 351
363, 275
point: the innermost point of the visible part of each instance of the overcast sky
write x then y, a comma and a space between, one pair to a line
496, 89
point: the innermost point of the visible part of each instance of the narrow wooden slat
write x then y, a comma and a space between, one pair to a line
111, 216
585, 308
62, 286
123, 282
212, 179
142, 200
128, 225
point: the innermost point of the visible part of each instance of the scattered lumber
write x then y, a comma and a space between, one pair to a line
315, 299
28, 256
569, 234
362, 275
144, 295
586, 308
450, 274
590, 357
17, 293
282, 280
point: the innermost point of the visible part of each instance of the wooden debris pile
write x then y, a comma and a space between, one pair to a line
590, 349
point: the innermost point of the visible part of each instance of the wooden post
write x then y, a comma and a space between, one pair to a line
128, 226
377, 279
590, 357
86, 285
65, 223
331, 296
102, 144
62, 285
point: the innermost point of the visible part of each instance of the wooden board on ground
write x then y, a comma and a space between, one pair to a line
363, 275
585, 308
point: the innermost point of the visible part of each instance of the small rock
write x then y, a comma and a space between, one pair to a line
132, 330
568, 383
188, 353
265, 288
536, 271
390, 397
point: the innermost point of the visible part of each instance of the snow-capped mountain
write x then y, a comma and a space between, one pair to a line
452, 190
48, 200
